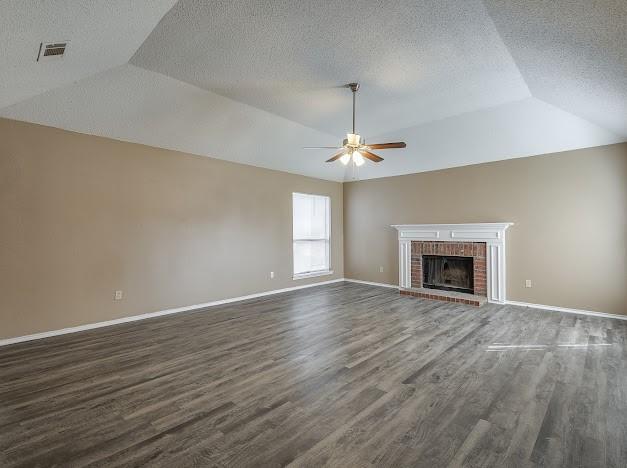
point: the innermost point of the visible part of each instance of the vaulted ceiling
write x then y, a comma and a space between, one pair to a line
254, 81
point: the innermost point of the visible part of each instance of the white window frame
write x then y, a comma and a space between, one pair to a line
327, 271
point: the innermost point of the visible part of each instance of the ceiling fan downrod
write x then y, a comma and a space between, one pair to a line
354, 88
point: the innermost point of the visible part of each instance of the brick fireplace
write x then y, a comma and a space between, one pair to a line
462, 263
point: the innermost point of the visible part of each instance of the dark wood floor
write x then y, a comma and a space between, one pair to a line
340, 375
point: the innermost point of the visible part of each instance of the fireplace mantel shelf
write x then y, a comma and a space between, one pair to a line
493, 234
471, 232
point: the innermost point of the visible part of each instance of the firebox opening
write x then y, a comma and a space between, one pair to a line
448, 273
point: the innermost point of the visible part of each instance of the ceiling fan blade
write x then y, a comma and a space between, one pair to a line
368, 155
321, 147
399, 144
336, 156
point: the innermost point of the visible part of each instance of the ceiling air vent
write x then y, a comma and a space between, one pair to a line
50, 50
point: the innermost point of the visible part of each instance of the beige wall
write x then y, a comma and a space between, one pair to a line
569, 210
83, 216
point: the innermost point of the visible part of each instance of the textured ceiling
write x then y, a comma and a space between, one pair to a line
572, 54
254, 81
101, 34
416, 61
133, 104
512, 130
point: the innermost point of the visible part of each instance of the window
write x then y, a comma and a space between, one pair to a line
311, 217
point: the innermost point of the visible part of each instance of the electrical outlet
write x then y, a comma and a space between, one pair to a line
380, 269
272, 275
118, 295
527, 283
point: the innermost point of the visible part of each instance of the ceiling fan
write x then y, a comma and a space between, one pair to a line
354, 147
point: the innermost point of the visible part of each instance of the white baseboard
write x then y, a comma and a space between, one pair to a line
567, 310
371, 283
134, 318
520, 304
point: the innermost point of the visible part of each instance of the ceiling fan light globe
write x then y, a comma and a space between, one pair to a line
358, 158
345, 159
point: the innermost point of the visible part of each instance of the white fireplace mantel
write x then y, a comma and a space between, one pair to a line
493, 234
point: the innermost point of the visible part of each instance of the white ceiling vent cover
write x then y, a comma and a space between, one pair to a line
51, 50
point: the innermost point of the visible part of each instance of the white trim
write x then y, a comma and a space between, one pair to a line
516, 303
134, 318
327, 239
312, 274
566, 310
493, 234
371, 283
463, 226
404, 263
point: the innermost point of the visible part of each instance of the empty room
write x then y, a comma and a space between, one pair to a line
266, 233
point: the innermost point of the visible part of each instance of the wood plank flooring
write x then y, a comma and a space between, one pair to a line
339, 375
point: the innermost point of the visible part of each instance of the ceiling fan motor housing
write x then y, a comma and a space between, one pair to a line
353, 140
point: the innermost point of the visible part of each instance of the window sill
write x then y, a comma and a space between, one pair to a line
312, 274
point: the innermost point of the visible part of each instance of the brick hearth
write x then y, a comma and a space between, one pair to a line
447, 296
